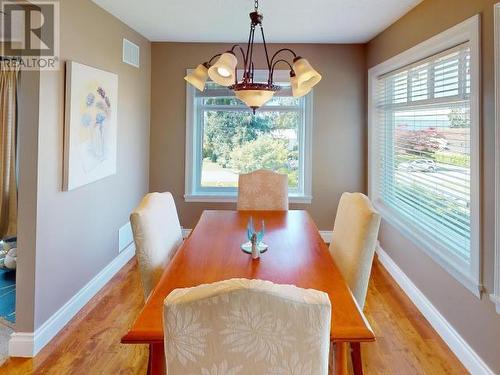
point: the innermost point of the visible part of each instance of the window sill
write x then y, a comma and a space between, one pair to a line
219, 198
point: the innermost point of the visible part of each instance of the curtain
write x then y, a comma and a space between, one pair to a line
8, 174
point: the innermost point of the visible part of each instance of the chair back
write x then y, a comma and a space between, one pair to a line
263, 190
354, 240
157, 235
242, 326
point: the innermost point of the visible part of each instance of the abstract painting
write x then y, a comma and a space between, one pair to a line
90, 130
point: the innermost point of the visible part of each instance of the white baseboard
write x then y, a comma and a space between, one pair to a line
186, 233
326, 235
28, 344
455, 342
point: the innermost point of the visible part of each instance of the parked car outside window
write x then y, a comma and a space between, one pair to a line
419, 165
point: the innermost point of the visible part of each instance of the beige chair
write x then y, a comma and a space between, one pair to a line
353, 243
245, 327
157, 235
263, 190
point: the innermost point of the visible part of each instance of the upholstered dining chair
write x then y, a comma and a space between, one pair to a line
242, 326
355, 233
263, 190
157, 236
353, 243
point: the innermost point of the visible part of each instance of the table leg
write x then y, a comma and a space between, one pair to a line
356, 358
341, 358
156, 361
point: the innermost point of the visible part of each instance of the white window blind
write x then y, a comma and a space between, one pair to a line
424, 147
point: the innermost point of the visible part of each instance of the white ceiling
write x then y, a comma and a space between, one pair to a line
291, 21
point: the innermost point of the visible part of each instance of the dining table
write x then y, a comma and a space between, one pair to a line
296, 255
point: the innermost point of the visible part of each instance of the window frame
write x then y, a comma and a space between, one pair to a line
495, 295
468, 31
193, 190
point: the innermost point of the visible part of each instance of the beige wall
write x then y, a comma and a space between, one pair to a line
474, 319
29, 89
338, 133
77, 231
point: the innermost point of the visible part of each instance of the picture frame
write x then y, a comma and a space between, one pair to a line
90, 126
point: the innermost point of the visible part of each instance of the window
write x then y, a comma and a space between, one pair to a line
424, 158
224, 139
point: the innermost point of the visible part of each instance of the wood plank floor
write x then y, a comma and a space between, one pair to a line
90, 344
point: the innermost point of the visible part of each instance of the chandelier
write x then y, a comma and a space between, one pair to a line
254, 94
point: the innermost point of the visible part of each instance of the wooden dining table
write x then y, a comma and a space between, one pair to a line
297, 255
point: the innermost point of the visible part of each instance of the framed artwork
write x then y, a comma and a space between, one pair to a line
90, 126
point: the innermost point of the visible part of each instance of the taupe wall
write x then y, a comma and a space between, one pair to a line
338, 134
474, 319
29, 89
77, 231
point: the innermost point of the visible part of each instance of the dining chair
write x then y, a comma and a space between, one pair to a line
354, 240
263, 190
353, 245
157, 236
242, 326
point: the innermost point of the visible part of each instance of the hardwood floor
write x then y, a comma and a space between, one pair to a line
90, 344
406, 342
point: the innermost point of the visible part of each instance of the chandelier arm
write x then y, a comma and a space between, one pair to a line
282, 50
250, 58
271, 71
248, 48
265, 47
242, 52
212, 58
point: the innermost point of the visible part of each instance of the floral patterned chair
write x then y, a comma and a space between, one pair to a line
240, 327
157, 236
263, 190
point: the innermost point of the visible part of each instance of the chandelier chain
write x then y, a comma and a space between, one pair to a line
256, 5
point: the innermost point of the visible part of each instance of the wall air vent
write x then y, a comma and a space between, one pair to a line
131, 53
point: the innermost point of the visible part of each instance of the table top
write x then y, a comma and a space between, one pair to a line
297, 255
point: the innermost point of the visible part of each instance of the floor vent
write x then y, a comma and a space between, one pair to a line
131, 53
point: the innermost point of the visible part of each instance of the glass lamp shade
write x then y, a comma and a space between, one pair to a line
223, 71
298, 91
198, 77
254, 98
307, 77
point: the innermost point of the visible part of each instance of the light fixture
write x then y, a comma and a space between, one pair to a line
297, 90
254, 94
198, 77
254, 97
223, 71
307, 77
